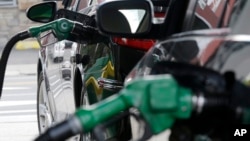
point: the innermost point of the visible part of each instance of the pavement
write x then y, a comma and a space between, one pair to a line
20, 69
24, 44
23, 58
20, 131
27, 44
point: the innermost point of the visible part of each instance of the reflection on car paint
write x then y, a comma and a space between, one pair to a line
58, 70
107, 71
100, 64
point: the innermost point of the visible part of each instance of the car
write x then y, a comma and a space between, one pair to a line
61, 85
211, 49
204, 22
58, 52
107, 61
66, 70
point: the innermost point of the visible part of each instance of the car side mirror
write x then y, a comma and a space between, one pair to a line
42, 12
125, 17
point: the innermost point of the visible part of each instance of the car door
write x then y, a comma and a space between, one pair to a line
96, 61
56, 63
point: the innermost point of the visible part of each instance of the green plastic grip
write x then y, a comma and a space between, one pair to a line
98, 113
61, 27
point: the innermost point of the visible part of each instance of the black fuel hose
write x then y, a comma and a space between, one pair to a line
6, 52
61, 131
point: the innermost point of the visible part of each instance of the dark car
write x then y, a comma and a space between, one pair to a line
212, 50
66, 70
200, 18
98, 69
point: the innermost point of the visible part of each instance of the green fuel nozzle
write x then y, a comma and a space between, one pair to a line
159, 99
70, 30
61, 27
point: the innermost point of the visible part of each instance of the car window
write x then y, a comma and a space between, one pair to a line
68, 4
83, 4
211, 14
74, 4
94, 2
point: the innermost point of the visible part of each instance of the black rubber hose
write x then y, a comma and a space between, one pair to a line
6, 52
61, 131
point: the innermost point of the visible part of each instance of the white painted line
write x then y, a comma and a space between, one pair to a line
55, 82
18, 118
56, 93
21, 78
58, 90
12, 73
17, 103
16, 88
20, 83
16, 111
18, 94
52, 77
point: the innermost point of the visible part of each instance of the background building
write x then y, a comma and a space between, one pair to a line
13, 20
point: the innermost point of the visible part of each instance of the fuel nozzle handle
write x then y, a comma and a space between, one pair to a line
70, 30
61, 27
159, 99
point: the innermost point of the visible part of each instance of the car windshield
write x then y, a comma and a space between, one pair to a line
208, 48
217, 52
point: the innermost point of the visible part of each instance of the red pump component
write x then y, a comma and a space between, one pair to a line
142, 44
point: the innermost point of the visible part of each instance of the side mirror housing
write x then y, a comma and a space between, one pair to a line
128, 18
42, 12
